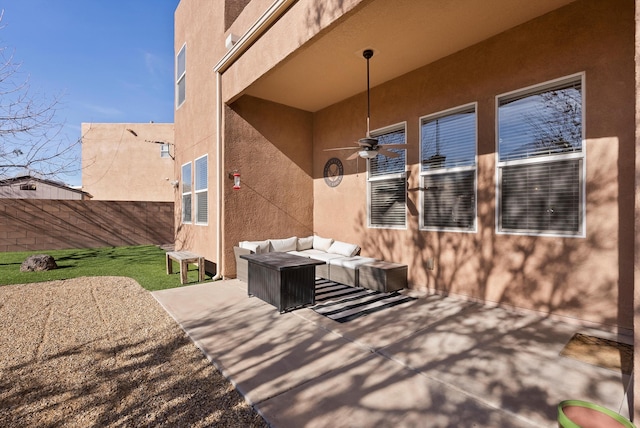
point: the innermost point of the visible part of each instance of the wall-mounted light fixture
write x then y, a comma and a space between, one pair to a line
235, 176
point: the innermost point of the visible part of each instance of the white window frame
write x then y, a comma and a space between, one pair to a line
402, 126
448, 170
199, 191
541, 160
181, 76
188, 193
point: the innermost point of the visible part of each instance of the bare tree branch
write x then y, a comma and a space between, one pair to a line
31, 137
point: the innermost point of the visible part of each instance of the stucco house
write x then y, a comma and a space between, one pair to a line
128, 161
517, 184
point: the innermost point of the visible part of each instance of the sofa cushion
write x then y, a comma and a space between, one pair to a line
321, 255
257, 247
283, 245
305, 243
322, 244
351, 262
343, 248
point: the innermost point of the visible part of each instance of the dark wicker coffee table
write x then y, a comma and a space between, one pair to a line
282, 280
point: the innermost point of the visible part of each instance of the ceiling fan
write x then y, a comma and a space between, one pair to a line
368, 147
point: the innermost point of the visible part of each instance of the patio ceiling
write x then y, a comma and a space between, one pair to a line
404, 34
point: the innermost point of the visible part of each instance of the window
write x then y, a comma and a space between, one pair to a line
181, 68
448, 170
387, 182
186, 193
541, 160
165, 151
201, 190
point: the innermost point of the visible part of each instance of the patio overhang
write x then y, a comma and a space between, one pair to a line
404, 34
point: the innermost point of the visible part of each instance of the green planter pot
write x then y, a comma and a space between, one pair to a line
582, 414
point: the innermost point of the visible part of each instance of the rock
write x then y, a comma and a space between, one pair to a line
37, 263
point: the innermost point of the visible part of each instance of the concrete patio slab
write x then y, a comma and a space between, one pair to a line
435, 361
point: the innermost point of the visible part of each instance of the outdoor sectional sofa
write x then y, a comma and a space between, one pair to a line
342, 259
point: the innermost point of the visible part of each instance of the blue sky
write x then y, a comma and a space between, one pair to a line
110, 60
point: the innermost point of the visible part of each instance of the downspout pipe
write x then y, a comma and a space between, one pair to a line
271, 15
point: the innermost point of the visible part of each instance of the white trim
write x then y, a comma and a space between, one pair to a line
181, 77
582, 155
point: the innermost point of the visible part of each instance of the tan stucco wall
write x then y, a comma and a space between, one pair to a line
271, 146
119, 166
202, 30
586, 278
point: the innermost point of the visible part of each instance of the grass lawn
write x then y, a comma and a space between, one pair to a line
145, 264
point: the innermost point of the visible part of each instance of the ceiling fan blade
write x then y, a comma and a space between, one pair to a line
394, 146
388, 153
353, 156
341, 148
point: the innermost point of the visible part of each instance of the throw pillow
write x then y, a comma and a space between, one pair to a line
322, 244
283, 245
305, 243
343, 249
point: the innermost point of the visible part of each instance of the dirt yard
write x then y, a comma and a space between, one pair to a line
102, 352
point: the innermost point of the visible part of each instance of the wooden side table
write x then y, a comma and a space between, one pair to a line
184, 258
383, 276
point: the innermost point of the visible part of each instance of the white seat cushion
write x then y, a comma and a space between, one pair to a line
351, 262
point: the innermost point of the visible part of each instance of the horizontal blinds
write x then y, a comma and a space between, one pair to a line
543, 197
201, 173
449, 141
202, 207
186, 207
382, 165
544, 122
449, 200
388, 201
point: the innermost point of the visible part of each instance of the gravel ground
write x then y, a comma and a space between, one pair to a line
101, 351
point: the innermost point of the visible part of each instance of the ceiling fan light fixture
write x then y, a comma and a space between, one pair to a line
368, 154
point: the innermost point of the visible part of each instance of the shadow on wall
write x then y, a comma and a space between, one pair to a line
557, 275
42, 224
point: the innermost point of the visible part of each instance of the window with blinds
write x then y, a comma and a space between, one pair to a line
448, 170
541, 159
201, 193
181, 69
387, 182
186, 192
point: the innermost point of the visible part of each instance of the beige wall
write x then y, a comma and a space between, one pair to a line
201, 29
586, 278
275, 163
119, 166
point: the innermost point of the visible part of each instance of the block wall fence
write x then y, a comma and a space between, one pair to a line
43, 224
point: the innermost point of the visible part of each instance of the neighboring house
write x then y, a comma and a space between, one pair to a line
517, 182
128, 161
29, 187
